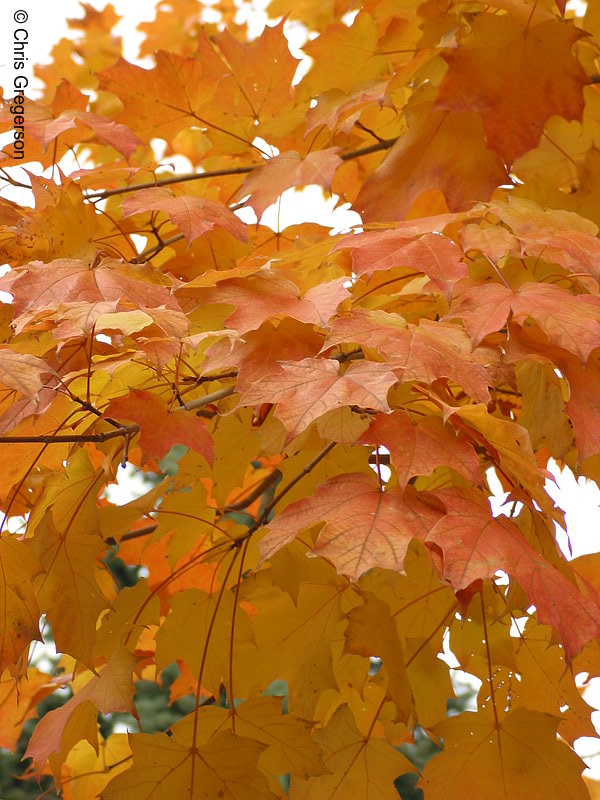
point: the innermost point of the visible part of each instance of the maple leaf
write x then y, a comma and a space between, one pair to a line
176, 766
295, 637
110, 691
289, 746
363, 384
518, 73
426, 352
367, 767
437, 256
584, 383
19, 703
40, 286
194, 216
22, 373
160, 101
64, 226
557, 236
474, 545
441, 151
265, 295
88, 772
371, 629
417, 448
351, 60
18, 608
67, 544
161, 428
195, 611
365, 526
266, 183
261, 351
257, 83
495, 759
291, 589
47, 129
568, 320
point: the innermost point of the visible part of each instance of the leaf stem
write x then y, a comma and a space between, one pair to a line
489, 660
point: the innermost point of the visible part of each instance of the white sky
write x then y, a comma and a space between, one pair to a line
46, 24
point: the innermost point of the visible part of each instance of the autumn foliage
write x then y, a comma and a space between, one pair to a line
341, 400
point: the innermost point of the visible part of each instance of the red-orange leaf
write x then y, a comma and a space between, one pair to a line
569, 321
583, 405
441, 151
284, 171
268, 294
47, 129
425, 352
474, 545
163, 100
309, 388
161, 427
38, 286
194, 216
434, 255
365, 526
418, 446
22, 373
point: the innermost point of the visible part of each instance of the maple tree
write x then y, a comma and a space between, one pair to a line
331, 406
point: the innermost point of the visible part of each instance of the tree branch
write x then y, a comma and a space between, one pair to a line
384, 144
126, 431
255, 493
188, 176
156, 248
207, 399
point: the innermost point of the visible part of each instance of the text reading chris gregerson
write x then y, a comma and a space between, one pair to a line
17, 107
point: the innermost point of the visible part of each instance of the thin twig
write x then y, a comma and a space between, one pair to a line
125, 430
384, 144
255, 493
136, 533
207, 399
308, 468
152, 251
188, 176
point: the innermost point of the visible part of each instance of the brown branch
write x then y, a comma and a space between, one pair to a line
352, 355
126, 431
384, 144
5, 176
136, 533
207, 399
146, 530
152, 251
89, 407
308, 468
240, 504
189, 176
255, 493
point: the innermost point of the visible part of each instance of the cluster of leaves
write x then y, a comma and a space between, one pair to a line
454, 334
